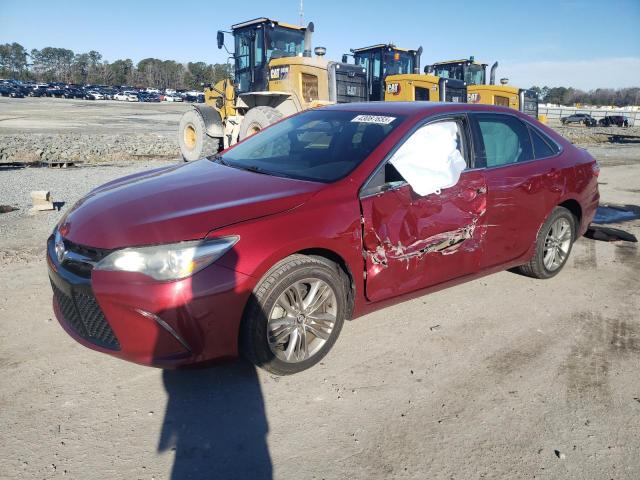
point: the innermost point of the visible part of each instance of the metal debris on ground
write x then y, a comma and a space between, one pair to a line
7, 208
608, 234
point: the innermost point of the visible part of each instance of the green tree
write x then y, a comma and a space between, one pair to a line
13, 61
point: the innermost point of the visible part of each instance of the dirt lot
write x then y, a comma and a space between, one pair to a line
45, 129
503, 377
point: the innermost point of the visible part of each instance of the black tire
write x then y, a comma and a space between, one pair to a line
536, 268
257, 119
254, 345
193, 139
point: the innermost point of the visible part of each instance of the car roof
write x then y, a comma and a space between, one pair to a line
417, 108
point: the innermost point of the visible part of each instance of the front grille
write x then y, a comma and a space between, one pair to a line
347, 83
456, 95
93, 255
82, 313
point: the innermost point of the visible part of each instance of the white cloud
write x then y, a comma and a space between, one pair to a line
583, 74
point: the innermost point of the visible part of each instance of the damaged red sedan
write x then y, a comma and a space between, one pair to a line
265, 249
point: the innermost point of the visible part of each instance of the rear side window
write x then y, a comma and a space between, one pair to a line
542, 146
505, 140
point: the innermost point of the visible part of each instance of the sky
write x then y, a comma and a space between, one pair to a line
581, 43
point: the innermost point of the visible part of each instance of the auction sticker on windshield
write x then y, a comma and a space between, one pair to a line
381, 120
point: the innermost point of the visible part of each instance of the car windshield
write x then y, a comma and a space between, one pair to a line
316, 145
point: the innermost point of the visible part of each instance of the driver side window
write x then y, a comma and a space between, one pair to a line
429, 160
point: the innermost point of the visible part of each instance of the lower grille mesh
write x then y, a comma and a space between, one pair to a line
84, 315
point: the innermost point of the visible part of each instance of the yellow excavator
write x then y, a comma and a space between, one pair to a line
473, 73
393, 74
275, 75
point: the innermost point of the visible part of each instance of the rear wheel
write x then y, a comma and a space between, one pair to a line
553, 245
256, 119
295, 314
193, 139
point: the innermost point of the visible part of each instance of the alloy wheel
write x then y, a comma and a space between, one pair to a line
301, 320
557, 244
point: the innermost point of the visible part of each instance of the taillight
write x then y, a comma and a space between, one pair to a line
595, 167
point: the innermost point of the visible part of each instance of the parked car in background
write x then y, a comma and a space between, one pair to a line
126, 97
109, 93
73, 93
11, 91
55, 92
617, 120
149, 97
266, 248
93, 95
172, 98
37, 92
583, 118
194, 97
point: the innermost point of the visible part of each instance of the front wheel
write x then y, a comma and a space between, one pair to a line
553, 245
256, 119
193, 139
294, 315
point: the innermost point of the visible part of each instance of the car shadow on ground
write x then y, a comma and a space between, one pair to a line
215, 423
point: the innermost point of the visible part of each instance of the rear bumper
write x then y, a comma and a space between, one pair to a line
590, 206
164, 324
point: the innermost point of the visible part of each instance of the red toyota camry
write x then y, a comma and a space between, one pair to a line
266, 248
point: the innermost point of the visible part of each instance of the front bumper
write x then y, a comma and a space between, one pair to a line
164, 324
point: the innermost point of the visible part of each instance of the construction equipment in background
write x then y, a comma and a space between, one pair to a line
275, 76
480, 91
382, 60
393, 74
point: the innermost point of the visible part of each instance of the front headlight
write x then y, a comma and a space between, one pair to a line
168, 262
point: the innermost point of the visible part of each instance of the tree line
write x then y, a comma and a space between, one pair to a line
52, 64
620, 97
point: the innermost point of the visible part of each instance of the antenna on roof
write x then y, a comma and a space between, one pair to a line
301, 13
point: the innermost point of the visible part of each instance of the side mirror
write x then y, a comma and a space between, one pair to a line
220, 39
344, 58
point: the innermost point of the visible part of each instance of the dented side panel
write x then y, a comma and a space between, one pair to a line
521, 196
411, 242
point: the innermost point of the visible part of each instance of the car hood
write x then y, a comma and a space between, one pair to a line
178, 203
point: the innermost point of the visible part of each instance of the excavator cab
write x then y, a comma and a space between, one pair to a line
258, 41
383, 60
469, 71
479, 90
275, 75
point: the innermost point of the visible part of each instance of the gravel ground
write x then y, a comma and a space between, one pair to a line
67, 185
581, 135
502, 377
53, 129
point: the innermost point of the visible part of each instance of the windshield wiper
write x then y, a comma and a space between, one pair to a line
255, 169
218, 159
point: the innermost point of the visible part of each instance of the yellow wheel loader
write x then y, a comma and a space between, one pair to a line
393, 74
275, 76
488, 93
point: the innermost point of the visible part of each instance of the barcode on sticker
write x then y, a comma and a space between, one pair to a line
379, 119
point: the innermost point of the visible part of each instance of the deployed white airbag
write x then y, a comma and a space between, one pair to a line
430, 160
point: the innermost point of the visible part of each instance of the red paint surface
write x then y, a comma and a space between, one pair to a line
276, 217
